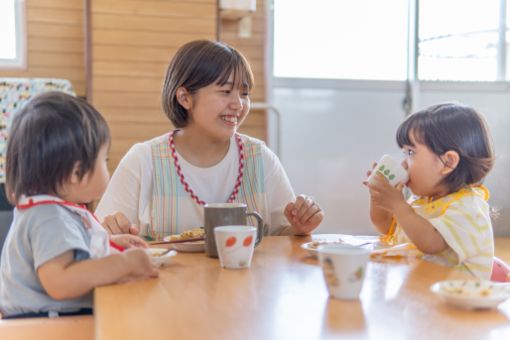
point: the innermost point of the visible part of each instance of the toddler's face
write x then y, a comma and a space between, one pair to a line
425, 170
94, 183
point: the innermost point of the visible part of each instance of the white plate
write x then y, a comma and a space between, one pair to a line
312, 247
470, 294
348, 240
187, 247
158, 259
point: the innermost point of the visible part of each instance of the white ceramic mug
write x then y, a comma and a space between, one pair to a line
235, 245
344, 269
391, 169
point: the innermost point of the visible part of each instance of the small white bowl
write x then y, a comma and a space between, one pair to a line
160, 257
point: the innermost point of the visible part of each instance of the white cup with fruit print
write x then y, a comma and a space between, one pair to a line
235, 245
344, 268
390, 169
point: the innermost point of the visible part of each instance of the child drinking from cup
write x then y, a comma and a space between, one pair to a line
162, 185
449, 152
56, 252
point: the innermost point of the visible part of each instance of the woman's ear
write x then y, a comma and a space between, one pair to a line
183, 97
450, 160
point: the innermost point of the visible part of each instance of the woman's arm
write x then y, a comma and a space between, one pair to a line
63, 278
288, 215
126, 193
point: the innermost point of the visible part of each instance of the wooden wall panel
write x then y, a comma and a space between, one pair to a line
132, 44
253, 49
55, 42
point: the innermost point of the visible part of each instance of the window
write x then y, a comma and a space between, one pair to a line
459, 40
12, 35
356, 39
456, 40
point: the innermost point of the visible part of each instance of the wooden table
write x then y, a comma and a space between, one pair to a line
283, 296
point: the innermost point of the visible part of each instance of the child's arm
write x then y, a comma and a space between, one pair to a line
63, 278
419, 230
381, 219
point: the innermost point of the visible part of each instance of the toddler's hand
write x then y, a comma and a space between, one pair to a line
385, 196
118, 223
369, 172
129, 241
140, 263
304, 215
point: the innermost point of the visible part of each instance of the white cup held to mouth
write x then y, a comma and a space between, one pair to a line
391, 169
344, 268
235, 245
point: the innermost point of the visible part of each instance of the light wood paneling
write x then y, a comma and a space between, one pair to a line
132, 44
253, 49
55, 42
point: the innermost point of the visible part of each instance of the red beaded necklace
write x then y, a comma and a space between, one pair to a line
188, 189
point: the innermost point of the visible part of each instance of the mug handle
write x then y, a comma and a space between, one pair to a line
260, 226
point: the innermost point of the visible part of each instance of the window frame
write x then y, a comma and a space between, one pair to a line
20, 62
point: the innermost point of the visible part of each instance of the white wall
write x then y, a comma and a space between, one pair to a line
332, 131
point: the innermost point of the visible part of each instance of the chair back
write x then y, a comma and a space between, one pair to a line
16, 92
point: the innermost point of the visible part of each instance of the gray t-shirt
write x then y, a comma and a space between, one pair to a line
36, 236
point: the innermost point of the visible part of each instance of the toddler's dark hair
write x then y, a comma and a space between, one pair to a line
456, 127
49, 135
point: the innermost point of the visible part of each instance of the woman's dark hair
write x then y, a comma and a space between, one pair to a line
198, 64
48, 137
456, 127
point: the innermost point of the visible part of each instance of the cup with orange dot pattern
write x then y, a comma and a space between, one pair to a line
235, 245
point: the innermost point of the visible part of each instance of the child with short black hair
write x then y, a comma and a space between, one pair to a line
449, 152
56, 252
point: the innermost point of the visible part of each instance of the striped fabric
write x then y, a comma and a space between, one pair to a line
463, 220
170, 199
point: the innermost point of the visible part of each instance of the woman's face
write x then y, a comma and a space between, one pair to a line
218, 111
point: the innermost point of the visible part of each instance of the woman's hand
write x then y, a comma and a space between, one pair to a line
304, 215
127, 241
118, 223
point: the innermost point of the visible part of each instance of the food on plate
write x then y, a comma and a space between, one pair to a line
467, 289
188, 234
315, 244
157, 252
